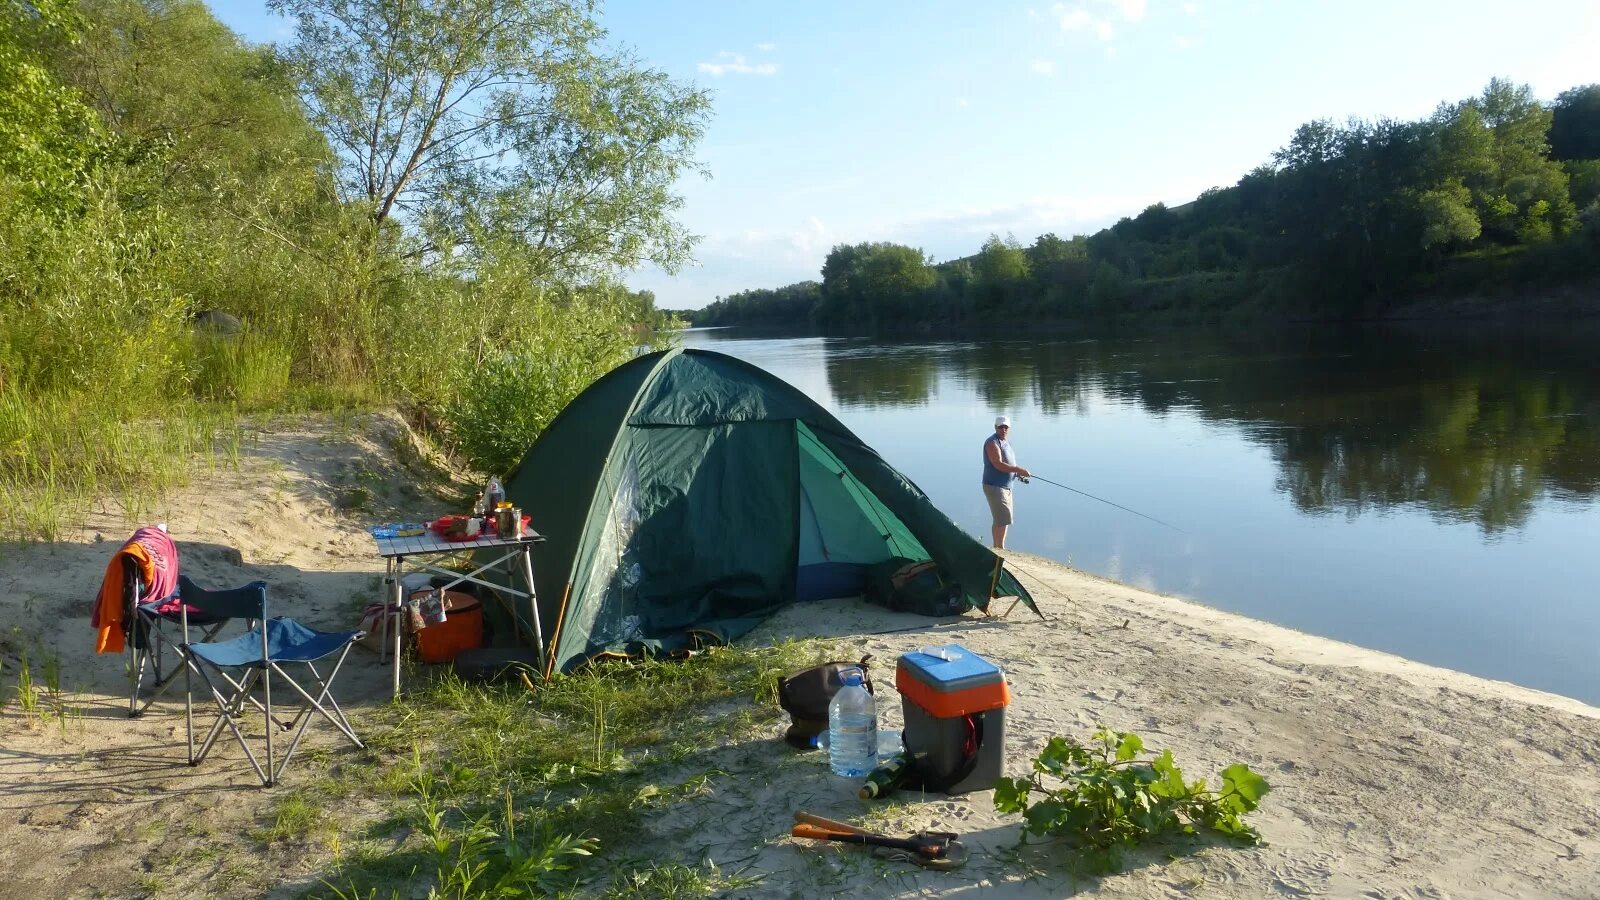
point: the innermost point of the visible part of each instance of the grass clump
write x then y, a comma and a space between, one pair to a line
40, 697
507, 793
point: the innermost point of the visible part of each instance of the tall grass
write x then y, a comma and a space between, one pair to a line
108, 391
248, 371
27, 691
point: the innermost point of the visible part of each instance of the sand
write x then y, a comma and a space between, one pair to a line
1390, 778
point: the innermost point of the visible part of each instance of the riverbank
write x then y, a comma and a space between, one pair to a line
1390, 778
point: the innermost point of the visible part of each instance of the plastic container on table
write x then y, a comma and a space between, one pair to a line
402, 529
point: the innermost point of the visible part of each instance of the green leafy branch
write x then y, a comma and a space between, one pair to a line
1103, 800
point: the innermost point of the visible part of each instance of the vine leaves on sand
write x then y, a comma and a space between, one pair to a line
1102, 800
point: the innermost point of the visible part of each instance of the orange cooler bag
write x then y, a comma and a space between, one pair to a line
461, 630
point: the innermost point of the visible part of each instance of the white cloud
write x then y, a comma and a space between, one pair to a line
766, 47
959, 232
952, 233
1072, 18
729, 262
803, 244
734, 63
1192, 9
1042, 67
962, 102
1098, 17
1185, 42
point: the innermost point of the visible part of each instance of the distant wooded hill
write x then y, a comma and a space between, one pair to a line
1491, 195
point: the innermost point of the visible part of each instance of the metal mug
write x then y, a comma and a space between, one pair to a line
508, 522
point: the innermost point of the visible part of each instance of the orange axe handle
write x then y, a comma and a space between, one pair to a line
812, 819
819, 833
930, 846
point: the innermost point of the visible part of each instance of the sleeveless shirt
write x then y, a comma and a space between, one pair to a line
994, 476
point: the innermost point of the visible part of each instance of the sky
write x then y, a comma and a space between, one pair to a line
936, 124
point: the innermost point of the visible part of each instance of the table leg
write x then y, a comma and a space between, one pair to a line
533, 604
384, 596
399, 621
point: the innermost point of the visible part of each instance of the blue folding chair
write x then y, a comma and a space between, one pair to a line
261, 654
149, 631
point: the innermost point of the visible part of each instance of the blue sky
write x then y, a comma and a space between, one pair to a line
935, 124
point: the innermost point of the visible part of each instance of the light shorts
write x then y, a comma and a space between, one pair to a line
999, 503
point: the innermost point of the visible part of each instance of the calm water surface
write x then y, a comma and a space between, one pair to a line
1431, 495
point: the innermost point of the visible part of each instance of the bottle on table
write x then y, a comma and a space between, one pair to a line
852, 728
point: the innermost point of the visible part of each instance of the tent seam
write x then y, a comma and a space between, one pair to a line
650, 379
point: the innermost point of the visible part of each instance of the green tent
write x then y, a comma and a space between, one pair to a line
688, 492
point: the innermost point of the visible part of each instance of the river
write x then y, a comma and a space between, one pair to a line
1431, 493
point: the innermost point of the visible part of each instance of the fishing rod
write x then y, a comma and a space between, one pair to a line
1105, 501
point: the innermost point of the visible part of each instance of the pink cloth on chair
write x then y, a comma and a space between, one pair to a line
156, 555
164, 558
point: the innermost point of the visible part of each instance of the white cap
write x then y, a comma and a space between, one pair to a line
1001, 420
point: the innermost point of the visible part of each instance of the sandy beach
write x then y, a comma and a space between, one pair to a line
1389, 778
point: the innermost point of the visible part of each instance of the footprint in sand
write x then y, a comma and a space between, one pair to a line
950, 810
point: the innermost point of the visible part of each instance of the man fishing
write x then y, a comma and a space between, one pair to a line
999, 470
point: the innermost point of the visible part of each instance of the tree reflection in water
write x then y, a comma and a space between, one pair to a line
1470, 427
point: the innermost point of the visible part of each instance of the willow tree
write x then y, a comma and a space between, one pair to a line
47, 134
471, 122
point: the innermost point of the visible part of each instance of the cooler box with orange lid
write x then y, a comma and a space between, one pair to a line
955, 711
462, 628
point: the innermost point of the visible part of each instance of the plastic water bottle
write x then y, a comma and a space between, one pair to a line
852, 728
493, 495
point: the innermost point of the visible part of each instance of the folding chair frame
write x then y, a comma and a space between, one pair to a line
145, 626
231, 706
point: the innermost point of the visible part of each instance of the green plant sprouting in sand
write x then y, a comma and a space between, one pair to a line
1104, 799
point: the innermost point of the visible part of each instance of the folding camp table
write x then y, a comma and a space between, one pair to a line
425, 552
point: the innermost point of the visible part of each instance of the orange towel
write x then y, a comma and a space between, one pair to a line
107, 618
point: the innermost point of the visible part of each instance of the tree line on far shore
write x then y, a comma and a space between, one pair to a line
1493, 195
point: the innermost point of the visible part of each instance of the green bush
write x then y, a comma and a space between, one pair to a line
159, 166
500, 404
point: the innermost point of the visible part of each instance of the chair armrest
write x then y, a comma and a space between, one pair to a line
245, 602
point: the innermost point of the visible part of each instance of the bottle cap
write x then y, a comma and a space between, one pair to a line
503, 504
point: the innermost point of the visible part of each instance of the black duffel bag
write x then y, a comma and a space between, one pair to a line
805, 696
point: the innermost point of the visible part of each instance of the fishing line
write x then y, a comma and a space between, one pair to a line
1105, 501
